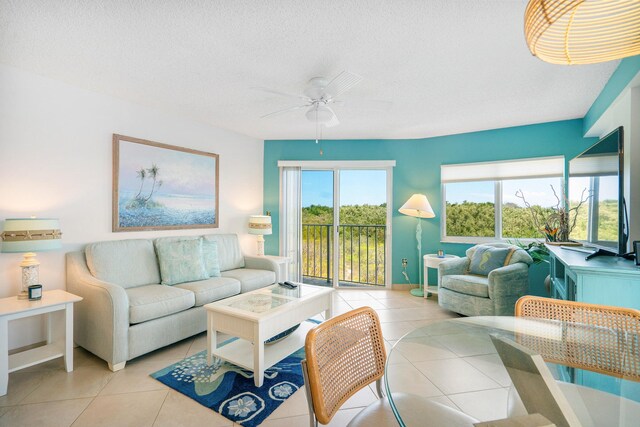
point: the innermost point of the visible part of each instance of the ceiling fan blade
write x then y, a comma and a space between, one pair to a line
286, 110
333, 121
364, 104
342, 83
278, 92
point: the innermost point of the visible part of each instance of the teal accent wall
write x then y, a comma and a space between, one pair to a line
626, 71
418, 171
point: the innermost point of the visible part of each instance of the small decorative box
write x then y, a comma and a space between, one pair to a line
440, 253
35, 292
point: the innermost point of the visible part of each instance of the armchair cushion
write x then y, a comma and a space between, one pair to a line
487, 258
466, 284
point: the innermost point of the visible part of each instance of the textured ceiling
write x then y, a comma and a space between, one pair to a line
448, 66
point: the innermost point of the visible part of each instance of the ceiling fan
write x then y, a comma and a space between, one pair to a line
318, 96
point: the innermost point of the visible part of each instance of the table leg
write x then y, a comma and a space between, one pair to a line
48, 320
258, 357
68, 337
212, 339
4, 356
328, 313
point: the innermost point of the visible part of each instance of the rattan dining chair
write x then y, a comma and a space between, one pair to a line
599, 346
344, 355
601, 339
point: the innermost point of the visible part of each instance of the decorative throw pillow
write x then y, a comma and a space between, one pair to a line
487, 258
210, 255
181, 261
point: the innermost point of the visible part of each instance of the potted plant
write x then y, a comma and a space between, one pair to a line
540, 254
556, 223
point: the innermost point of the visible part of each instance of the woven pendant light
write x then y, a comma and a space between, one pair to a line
582, 31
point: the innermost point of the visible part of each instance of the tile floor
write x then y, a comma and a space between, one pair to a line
91, 395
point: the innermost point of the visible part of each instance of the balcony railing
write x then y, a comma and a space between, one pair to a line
362, 253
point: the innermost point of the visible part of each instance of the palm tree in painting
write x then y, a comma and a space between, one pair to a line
142, 174
153, 172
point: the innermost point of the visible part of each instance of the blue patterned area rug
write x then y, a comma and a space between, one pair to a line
229, 390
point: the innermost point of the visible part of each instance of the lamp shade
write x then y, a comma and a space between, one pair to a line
419, 206
31, 235
581, 31
259, 224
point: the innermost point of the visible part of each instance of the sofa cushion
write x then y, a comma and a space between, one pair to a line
466, 284
154, 301
229, 253
127, 263
210, 256
487, 258
181, 261
213, 289
251, 279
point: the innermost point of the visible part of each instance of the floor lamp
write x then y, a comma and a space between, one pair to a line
418, 206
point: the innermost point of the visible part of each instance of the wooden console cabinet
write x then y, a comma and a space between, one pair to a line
601, 280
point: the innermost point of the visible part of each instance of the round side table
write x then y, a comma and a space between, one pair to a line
432, 261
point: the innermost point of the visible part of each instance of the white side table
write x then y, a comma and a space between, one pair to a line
432, 261
58, 306
283, 265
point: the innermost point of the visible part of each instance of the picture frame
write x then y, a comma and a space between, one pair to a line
636, 251
159, 186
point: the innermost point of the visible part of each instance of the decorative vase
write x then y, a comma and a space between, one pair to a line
547, 284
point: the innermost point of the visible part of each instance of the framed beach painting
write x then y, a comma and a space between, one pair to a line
163, 187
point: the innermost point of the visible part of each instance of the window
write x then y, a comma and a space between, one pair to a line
602, 206
470, 209
483, 201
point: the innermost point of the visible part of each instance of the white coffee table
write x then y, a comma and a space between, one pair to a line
259, 315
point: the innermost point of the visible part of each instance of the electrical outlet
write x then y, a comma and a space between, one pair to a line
404, 262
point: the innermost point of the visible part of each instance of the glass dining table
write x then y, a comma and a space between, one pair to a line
455, 362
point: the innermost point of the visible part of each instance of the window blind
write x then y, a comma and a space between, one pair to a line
594, 165
541, 167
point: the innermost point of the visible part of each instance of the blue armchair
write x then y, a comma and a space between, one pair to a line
494, 294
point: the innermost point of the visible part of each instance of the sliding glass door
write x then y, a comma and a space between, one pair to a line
345, 222
317, 227
361, 231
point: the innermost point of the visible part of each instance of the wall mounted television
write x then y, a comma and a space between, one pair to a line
602, 221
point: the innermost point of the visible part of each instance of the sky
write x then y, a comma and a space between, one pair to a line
536, 191
368, 187
357, 187
181, 173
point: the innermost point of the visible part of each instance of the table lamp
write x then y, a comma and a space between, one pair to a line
30, 235
418, 206
260, 225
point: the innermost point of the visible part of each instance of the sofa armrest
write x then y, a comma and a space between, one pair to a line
262, 263
452, 266
101, 320
511, 280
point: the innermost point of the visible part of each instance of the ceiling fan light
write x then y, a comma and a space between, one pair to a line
320, 114
582, 32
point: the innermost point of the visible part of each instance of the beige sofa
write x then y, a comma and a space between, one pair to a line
126, 312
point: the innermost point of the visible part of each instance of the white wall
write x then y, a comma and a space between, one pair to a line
55, 161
